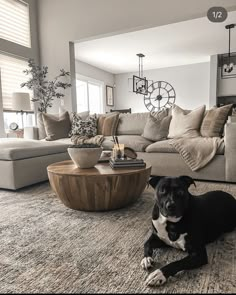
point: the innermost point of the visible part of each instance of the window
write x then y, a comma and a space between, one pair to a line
94, 98
82, 96
9, 117
11, 75
89, 96
15, 22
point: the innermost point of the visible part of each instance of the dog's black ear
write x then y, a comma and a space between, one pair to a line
153, 181
187, 180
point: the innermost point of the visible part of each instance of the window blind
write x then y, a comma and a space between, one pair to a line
15, 22
11, 74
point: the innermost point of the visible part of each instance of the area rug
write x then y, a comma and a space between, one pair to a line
48, 248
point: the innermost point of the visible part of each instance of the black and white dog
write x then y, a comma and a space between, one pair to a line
186, 222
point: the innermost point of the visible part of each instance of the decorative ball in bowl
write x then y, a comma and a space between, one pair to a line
85, 155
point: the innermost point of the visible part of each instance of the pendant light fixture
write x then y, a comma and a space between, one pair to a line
228, 64
140, 83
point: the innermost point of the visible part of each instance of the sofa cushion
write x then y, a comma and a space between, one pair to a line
214, 120
161, 147
157, 126
185, 124
132, 123
57, 127
66, 140
16, 149
136, 142
164, 147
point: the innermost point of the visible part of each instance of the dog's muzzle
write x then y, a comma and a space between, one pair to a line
170, 208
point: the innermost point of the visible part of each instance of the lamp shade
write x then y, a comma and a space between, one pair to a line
21, 101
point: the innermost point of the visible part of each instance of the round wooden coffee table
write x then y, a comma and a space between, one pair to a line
97, 189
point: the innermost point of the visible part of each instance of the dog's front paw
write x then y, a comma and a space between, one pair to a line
156, 278
147, 262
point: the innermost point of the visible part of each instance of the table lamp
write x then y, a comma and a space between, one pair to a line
21, 103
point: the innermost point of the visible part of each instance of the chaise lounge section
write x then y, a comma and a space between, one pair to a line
24, 162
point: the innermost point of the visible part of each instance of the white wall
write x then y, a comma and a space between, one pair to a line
61, 21
213, 80
107, 78
191, 84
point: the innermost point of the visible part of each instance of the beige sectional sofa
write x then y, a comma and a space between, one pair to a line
166, 160
23, 162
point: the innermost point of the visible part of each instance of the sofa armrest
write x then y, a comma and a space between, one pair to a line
31, 133
230, 151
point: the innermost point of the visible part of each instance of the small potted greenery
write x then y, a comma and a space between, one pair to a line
85, 155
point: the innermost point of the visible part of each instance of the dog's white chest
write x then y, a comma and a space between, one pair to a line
160, 225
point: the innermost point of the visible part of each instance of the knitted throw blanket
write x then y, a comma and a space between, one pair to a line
197, 152
79, 139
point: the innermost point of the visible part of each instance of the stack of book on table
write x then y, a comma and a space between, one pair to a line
127, 163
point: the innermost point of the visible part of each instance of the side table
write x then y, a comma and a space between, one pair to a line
19, 133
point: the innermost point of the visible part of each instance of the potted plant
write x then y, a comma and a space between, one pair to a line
44, 90
85, 155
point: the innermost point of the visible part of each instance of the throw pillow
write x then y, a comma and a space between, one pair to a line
82, 115
56, 128
101, 119
185, 124
107, 123
214, 121
40, 124
81, 127
100, 123
157, 126
110, 125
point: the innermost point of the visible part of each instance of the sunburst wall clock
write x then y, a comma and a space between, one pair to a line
161, 95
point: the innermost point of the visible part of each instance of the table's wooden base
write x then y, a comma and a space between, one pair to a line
99, 192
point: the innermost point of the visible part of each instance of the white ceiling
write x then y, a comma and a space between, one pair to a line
165, 46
